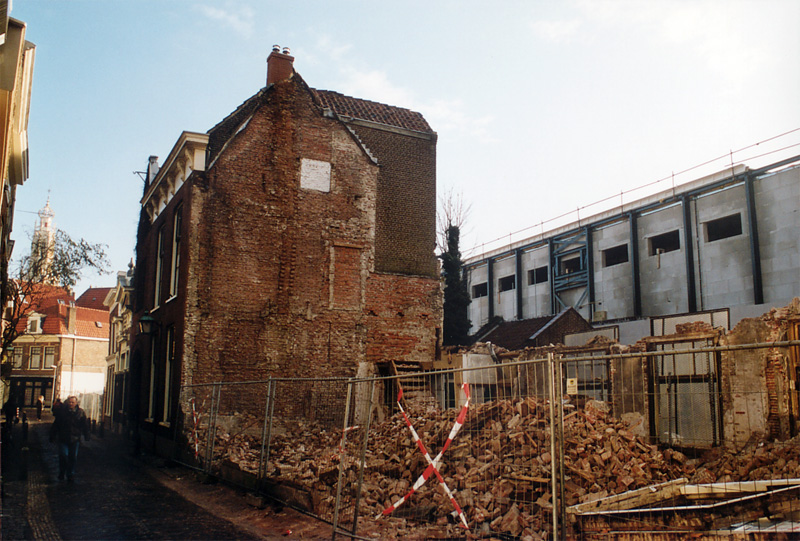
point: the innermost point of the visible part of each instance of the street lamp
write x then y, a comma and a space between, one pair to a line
147, 324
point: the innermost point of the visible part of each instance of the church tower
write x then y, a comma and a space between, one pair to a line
43, 242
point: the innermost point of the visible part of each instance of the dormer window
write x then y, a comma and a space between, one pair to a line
35, 324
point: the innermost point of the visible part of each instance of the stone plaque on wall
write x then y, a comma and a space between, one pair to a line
315, 175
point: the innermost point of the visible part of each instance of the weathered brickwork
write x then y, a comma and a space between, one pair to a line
402, 313
292, 268
279, 273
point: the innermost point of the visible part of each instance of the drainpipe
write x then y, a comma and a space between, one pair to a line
72, 367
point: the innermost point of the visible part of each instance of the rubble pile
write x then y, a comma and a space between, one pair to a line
758, 460
498, 466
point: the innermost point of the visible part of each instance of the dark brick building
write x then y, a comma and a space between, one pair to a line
295, 238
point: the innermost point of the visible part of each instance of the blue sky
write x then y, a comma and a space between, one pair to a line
541, 107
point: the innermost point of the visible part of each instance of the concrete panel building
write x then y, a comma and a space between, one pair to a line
726, 242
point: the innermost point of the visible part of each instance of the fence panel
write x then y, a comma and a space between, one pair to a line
682, 440
482, 464
684, 447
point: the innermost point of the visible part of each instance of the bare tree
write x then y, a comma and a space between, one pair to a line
50, 272
453, 211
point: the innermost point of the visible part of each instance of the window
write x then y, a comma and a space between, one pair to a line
176, 252
49, 356
615, 256
665, 242
168, 362
507, 282
480, 290
568, 266
35, 324
35, 359
17, 357
537, 275
722, 228
159, 266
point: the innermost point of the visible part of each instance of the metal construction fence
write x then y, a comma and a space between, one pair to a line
683, 440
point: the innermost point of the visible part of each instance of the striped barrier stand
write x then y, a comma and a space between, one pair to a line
433, 464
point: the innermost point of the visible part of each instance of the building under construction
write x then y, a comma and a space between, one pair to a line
724, 245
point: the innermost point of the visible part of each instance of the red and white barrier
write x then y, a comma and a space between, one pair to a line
195, 425
433, 464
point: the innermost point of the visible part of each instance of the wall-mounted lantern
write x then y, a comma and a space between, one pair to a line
147, 324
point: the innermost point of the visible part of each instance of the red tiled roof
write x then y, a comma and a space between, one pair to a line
372, 111
93, 298
92, 323
54, 321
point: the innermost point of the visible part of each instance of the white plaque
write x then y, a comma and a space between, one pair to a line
315, 175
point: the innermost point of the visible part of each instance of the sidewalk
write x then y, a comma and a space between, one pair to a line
117, 496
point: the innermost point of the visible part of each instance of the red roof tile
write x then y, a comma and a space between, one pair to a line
93, 298
372, 111
92, 323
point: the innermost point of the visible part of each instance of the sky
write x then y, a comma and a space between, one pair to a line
542, 108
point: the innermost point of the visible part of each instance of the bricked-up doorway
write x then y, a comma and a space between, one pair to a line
685, 410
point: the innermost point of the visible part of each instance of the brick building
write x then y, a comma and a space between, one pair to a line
61, 350
295, 238
116, 399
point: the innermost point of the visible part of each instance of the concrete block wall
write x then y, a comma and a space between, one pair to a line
663, 276
505, 301
723, 267
535, 297
479, 307
613, 285
777, 199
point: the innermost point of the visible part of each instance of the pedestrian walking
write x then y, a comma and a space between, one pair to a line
69, 425
56, 407
39, 407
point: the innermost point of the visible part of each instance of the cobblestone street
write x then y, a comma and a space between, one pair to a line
117, 496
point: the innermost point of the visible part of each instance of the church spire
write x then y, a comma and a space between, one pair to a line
43, 241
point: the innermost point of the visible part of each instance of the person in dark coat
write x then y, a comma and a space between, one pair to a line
56, 407
69, 425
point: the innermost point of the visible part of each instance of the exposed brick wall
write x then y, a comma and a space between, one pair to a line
405, 232
404, 317
281, 279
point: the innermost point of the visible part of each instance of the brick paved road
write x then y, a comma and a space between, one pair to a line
113, 497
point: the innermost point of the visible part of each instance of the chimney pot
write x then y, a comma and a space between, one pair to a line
280, 65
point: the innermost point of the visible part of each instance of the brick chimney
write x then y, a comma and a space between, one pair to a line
279, 65
72, 318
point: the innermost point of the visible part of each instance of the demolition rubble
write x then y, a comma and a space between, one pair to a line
500, 466
494, 467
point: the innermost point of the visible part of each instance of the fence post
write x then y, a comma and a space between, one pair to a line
553, 472
212, 425
267, 429
363, 464
341, 458
561, 443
